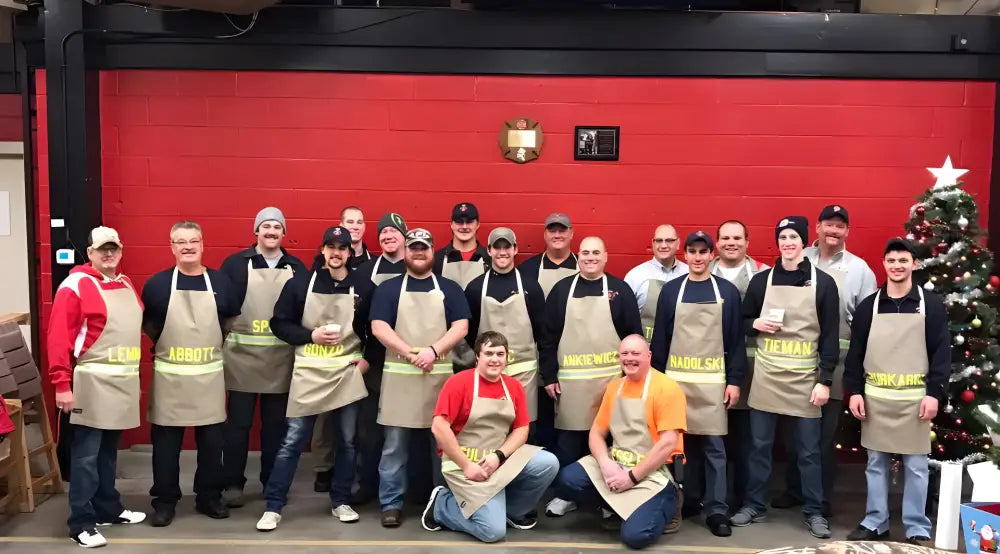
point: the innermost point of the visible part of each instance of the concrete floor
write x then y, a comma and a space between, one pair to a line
307, 526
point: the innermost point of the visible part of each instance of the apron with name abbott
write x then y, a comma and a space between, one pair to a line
742, 282
547, 278
463, 273
485, 431
844, 331
787, 365
106, 376
408, 393
323, 377
379, 278
588, 358
630, 444
697, 363
510, 318
648, 312
189, 387
896, 367
254, 359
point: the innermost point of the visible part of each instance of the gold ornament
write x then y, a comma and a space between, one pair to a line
977, 323
933, 436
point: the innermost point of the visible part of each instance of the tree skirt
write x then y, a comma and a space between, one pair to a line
855, 547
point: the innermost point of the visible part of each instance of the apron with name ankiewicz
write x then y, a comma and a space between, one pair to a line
255, 360
408, 393
324, 377
189, 387
547, 278
648, 312
106, 376
588, 358
787, 361
485, 431
896, 367
697, 362
844, 331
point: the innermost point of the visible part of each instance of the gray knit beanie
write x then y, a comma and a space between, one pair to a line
269, 213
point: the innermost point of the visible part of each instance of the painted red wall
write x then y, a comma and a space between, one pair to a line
218, 146
10, 118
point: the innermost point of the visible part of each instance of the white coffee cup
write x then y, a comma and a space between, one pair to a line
332, 328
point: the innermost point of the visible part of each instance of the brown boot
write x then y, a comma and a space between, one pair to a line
392, 518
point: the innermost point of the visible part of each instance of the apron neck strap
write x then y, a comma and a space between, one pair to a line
645, 385
715, 288
486, 282
375, 268
604, 285
208, 282
312, 282
920, 309
475, 386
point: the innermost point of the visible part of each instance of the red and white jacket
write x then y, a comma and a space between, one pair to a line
77, 319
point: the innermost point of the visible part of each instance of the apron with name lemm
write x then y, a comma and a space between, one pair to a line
547, 278
408, 393
485, 431
742, 282
896, 367
510, 318
630, 444
189, 387
324, 377
106, 376
787, 365
697, 362
588, 358
254, 359
648, 312
844, 331
379, 278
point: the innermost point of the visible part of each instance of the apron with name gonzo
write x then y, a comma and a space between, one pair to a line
106, 376
324, 377
485, 431
648, 312
742, 282
408, 393
896, 367
588, 358
547, 278
254, 359
844, 331
189, 387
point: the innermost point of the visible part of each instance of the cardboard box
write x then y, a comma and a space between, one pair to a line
981, 526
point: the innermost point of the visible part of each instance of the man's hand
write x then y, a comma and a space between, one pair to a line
362, 364
425, 359
553, 391
64, 401
619, 482
328, 338
820, 395
928, 408
732, 396
490, 463
475, 472
766, 326
608, 468
857, 406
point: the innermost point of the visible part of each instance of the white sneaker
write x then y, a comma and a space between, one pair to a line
127, 517
345, 514
558, 507
606, 513
90, 538
268, 521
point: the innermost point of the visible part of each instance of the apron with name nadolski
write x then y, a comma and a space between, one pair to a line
485, 431
547, 278
648, 312
896, 367
189, 387
324, 377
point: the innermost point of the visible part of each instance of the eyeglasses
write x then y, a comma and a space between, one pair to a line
192, 242
664, 241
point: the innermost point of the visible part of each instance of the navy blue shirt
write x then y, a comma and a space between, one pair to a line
385, 301
384, 267
235, 267
286, 324
156, 297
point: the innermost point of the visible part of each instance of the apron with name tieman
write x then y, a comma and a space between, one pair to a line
587, 356
697, 362
648, 312
742, 282
631, 442
896, 367
254, 359
379, 278
189, 387
485, 431
462, 272
844, 331
787, 364
106, 376
408, 393
510, 318
547, 278
324, 377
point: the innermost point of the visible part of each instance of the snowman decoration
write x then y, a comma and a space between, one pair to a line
987, 540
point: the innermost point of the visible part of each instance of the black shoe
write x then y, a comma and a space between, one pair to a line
785, 501
689, 511
215, 509
922, 541
863, 533
322, 483
362, 497
718, 524
162, 517
526, 521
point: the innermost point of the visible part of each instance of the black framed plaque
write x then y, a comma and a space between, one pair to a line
596, 143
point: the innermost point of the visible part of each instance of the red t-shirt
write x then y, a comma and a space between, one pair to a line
455, 401
467, 256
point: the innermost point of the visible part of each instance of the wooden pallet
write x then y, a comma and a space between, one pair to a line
15, 476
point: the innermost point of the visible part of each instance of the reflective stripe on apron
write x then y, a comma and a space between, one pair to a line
106, 377
510, 318
896, 366
844, 331
697, 362
547, 278
408, 393
630, 444
254, 359
323, 376
189, 388
379, 278
787, 362
588, 358
648, 312
485, 431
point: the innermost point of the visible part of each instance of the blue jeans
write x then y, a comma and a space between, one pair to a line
739, 443
92, 495
705, 480
392, 466
296, 438
832, 411
489, 523
571, 446
807, 439
914, 494
643, 528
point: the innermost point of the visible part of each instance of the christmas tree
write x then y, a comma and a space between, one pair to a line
955, 264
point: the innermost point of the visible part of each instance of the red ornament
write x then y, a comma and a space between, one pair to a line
920, 210
975, 251
994, 281
968, 396
942, 245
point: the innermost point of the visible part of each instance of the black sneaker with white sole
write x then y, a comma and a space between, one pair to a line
427, 519
523, 522
127, 517
89, 538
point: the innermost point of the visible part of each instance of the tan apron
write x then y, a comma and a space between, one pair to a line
547, 278
896, 366
844, 331
788, 361
379, 278
648, 313
462, 272
106, 377
485, 431
254, 359
323, 377
630, 444
189, 387
408, 393
588, 358
742, 283
697, 363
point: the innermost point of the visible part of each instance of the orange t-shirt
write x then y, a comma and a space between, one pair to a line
666, 407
